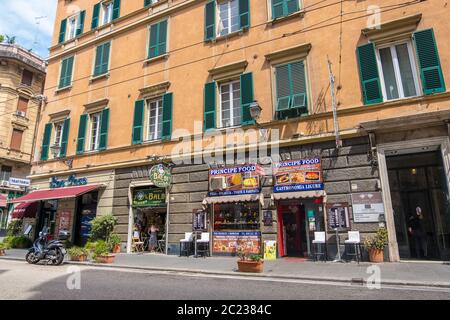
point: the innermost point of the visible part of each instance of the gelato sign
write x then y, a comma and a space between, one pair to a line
235, 180
160, 176
298, 175
71, 181
149, 198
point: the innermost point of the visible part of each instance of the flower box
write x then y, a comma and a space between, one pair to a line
250, 266
105, 259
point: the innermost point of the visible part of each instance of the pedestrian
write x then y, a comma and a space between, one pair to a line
153, 237
417, 231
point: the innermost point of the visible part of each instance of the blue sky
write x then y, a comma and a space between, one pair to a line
18, 18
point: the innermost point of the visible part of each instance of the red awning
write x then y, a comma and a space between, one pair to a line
2, 201
53, 194
25, 210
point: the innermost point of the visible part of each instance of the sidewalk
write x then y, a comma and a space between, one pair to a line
403, 273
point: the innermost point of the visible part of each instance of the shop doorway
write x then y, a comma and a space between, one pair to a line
147, 217
419, 200
47, 217
86, 209
292, 233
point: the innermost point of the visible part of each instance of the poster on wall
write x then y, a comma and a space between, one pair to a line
338, 216
228, 242
268, 218
235, 180
270, 250
199, 220
367, 207
86, 218
64, 221
298, 175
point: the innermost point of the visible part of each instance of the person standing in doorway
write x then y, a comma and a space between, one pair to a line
418, 233
153, 230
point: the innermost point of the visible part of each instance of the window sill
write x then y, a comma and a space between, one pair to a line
95, 78
294, 15
59, 90
160, 57
228, 36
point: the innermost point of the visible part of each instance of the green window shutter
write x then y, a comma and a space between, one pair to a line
247, 98
297, 76
82, 133
102, 59
153, 47
62, 78
429, 62
244, 14
116, 10
368, 71
209, 116
80, 26
162, 37
138, 122
66, 72
105, 58
291, 6
62, 31
158, 39
167, 117
283, 85
95, 16
210, 20
46, 141
65, 138
103, 143
147, 3
277, 8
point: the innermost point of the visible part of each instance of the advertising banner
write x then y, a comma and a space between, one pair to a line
298, 175
228, 242
235, 180
149, 198
270, 250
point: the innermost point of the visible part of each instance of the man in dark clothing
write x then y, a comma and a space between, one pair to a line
418, 233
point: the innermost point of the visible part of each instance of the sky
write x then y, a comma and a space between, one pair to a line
18, 18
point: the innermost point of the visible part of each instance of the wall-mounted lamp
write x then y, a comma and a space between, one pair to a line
56, 151
255, 113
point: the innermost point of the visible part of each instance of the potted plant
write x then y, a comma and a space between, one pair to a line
376, 245
2, 249
101, 253
78, 254
249, 262
114, 242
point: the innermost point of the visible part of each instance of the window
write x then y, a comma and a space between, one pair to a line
72, 27
291, 92
27, 78
58, 133
5, 174
16, 139
228, 17
107, 11
154, 129
230, 104
65, 79
95, 131
158, 39
282, 8
22, 106
398, 71
101, 66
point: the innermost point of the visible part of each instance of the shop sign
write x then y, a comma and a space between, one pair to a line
268, 218
160, 176
199, 220
228, 242
367, 207
270, 250
298, 175
149, 198
235, 180
338, 217
71, 181
19, 182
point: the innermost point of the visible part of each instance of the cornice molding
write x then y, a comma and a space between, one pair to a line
154, 90
296, 52
392, 29
91, 106
228, 70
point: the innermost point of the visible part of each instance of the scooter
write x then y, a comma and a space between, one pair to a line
52, 251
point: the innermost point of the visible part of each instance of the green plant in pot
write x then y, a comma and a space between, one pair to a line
78, 254
101, 252
376, 244
249, 262
102, 227
2, 249
114, 242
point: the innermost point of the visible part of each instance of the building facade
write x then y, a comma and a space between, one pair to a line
22, 78
163, 98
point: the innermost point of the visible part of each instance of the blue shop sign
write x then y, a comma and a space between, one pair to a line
72, 181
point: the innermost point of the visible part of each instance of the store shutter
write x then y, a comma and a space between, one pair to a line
244, 14
429, 62
65, 138
82, 133
368, 70
297, 76
103, 143
283, 84
138, 122
80, 26
277, 8
46, 141
116, 10
209, 117
210, 20
247, 98
147, 3
62, 31
95, 16
167, 117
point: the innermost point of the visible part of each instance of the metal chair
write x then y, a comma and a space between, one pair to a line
354, 240
162, 244
319, 240
203, 244
186, 244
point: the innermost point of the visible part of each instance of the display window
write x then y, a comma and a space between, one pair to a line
236, 216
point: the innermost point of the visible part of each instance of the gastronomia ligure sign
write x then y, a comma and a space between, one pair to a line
298, 175
235, 180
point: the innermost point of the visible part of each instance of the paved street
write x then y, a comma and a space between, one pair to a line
19, 280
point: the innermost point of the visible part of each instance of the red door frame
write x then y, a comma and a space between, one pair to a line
280, 231
280, 237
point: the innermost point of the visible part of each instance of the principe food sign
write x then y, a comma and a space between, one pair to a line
236, 180
298, 175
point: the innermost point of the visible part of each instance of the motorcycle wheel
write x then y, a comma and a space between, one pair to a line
59, 257
31, 258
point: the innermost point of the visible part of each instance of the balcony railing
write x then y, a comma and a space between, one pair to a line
14, 51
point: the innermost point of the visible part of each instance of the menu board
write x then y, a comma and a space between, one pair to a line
367, 207
338, 215
228, 242
199, 220
298, 175
235, 180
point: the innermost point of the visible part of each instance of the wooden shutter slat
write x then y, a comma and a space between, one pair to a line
244, 14
247, 98
64, 138
138, 122
153, 47
116, 10
298, 83
95, 16
104, 124
162, 37
209, 113
62, 31
167, 116
210, 20
368, 70
46, 141
80, 26
82, 133
16, 139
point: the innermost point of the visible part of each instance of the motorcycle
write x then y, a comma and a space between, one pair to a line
52, 251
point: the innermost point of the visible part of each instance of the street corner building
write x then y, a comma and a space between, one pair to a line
353, 117
22, 77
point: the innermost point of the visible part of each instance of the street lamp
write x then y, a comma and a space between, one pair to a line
255, 113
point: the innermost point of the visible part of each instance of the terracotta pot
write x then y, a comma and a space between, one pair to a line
116, 248
376, 255
105, 259
250, 266
79, 258
2, 252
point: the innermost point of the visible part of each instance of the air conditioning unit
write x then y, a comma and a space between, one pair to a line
4, 183
21, 114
